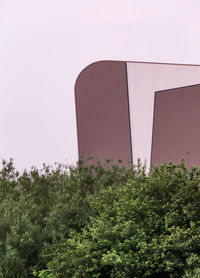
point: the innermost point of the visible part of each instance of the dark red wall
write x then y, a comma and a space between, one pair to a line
102, 111
176, 128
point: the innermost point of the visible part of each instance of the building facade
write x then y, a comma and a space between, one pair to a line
132, 110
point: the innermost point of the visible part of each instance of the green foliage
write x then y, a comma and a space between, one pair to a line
147, 227
100, 221
41, 207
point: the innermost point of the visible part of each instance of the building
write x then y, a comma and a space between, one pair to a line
133, 110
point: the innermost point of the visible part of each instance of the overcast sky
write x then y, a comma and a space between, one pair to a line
44, 44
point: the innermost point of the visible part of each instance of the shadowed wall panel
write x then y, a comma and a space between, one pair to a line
176, 129
102, 111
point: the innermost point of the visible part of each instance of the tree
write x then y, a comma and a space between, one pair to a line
147, 227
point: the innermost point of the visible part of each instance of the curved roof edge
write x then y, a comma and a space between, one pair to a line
136, 62
90, 65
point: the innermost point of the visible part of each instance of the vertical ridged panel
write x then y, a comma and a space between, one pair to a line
176, 131
102, 111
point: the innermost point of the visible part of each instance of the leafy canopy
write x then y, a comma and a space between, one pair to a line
100, 221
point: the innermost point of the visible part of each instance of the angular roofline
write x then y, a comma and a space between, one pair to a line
176, 88
161, 63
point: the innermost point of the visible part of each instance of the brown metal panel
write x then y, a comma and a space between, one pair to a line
102, 111
176, 129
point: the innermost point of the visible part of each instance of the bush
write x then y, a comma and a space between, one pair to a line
146, 227
100, 221
40, 207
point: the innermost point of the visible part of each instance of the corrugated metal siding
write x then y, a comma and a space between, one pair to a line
102, 111
176, 129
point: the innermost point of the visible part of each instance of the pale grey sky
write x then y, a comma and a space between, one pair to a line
44, 44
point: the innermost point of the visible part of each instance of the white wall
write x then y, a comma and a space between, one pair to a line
143, 80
